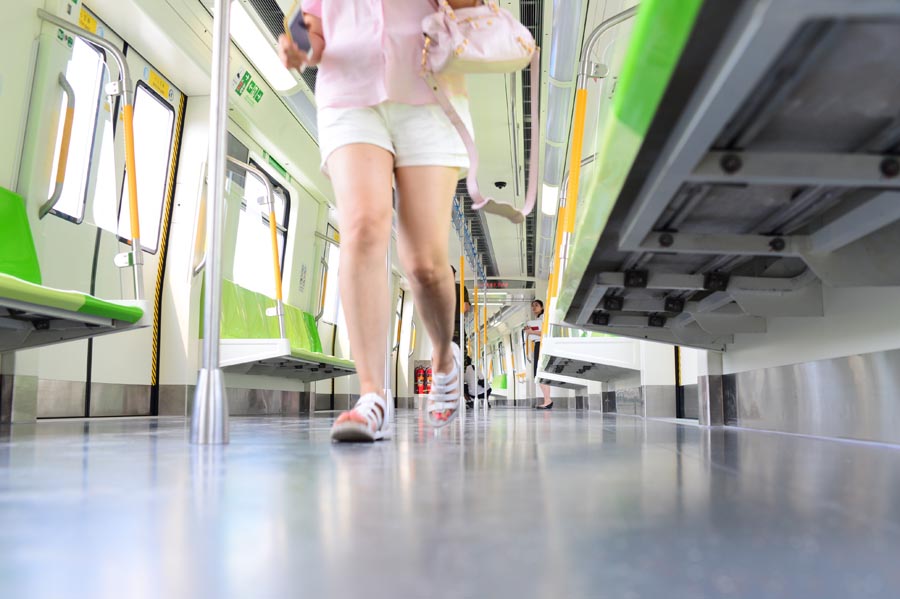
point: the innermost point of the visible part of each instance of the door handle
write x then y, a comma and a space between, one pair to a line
69, 118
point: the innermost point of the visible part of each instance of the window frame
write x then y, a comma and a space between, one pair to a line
89, 164
141, 84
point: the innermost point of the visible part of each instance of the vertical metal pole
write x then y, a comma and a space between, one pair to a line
388, 395
209, 421
476, 344
462, 319
484, 362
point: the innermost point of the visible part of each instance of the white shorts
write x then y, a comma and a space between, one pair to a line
416, 135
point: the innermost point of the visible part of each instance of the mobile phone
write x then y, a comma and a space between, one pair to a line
296, 29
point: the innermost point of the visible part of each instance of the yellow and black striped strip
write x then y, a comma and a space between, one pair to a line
163, 254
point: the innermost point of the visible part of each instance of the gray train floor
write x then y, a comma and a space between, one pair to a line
518, 504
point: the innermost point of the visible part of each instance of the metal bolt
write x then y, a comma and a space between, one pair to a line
666, 240
777, 245
731, 163
890, 167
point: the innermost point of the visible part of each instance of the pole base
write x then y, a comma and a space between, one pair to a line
209, 420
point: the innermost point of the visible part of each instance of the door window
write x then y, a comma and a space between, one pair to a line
84, 73
154, 121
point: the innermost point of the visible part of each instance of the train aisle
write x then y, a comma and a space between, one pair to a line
522, 504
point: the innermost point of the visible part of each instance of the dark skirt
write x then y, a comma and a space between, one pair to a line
537, 352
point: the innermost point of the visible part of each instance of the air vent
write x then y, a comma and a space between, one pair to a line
478, 230
531, 14
270, 14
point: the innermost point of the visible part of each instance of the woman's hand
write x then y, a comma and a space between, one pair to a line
293, 57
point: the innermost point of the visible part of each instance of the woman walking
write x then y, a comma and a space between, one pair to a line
379, 123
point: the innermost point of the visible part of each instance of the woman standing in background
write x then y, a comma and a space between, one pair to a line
533, 328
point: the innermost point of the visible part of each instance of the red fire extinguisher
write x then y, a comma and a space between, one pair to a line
428, 380
420, 380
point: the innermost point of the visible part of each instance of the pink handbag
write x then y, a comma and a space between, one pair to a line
482, 39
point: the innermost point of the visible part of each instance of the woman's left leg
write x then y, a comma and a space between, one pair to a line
424, 213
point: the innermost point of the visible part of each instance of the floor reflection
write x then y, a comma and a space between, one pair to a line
515, 503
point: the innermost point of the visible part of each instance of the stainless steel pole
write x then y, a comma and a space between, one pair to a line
209, 420
462, 321
390, 344
477, 337
484, 362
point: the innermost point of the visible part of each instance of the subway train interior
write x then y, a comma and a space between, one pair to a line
708, 405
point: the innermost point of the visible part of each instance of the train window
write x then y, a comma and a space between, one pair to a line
85, 74
154, 121
254, 243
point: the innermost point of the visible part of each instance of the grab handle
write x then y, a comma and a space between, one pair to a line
47, 206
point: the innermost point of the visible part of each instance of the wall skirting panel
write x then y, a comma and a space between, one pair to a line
855, 397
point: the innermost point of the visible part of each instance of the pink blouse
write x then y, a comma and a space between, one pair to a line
373, 53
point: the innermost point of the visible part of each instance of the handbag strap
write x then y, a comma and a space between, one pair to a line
489, 204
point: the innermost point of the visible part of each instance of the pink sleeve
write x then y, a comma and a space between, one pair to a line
313, 7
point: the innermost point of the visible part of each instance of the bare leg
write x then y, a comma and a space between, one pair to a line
545, 389
424, 213
361, 176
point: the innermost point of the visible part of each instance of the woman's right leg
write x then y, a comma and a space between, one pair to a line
362, 177
545, 389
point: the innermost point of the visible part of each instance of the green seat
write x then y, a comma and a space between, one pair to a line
20, 273
15, 289
244, 317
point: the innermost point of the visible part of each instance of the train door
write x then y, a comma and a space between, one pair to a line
68, 73
123, 369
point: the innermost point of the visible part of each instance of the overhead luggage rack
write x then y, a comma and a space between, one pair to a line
731, 184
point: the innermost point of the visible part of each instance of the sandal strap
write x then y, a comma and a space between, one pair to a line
444, 391
367, 407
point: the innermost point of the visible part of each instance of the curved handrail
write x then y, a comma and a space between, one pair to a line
570, 189
584, 69
276, 257
321, 312
66, 141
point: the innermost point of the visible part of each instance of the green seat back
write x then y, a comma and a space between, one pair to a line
244, 317
315, 343
234, 322
296, 328
17, 254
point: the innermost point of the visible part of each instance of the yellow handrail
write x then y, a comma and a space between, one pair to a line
65, 142
273, 229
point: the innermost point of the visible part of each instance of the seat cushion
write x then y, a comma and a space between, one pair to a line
322, 359
19, 290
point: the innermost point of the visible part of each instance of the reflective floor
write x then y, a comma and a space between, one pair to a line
521, 504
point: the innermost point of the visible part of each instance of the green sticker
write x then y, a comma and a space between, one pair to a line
251, 89
70, 42
243, 83
258, 96
60, 34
